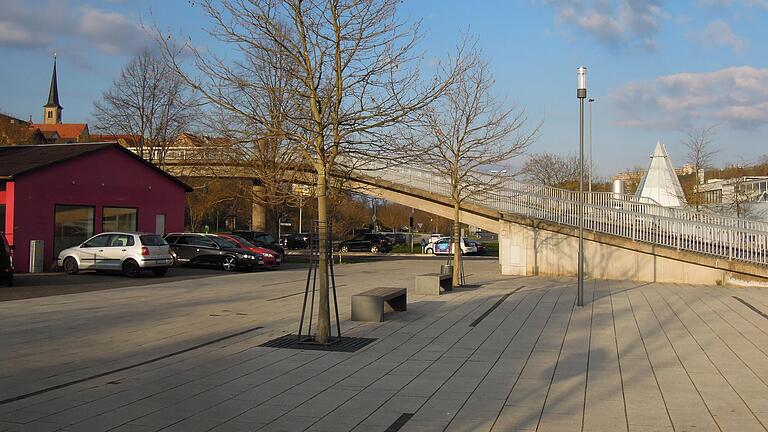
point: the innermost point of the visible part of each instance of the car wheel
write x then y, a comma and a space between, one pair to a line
160, 272
428, 251
70, 266
131, 268
374, 249
344, 248
229, 263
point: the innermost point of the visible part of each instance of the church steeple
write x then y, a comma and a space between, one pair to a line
52, 110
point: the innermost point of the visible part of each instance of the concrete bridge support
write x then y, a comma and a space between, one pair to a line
539, 248
258, 211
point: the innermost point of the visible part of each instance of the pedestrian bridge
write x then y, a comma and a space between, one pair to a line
625, 238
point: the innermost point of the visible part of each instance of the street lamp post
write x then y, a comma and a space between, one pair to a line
581, 94
590, 146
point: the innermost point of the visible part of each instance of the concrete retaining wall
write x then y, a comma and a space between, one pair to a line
534, 248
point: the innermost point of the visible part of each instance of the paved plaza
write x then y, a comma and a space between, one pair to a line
503, 354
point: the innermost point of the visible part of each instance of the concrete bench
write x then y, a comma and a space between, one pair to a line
372, 304
430, 283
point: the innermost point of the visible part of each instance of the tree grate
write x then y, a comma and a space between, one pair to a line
337, 344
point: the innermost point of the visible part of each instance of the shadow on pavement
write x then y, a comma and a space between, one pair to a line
30, 285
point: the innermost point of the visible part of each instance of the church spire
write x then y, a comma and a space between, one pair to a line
52, 110
53, 94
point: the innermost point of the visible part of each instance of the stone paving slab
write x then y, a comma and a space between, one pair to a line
636, 357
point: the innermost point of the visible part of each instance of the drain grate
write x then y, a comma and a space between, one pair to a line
343, 344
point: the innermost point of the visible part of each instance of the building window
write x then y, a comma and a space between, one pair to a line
120, 219
72, 226
50, 114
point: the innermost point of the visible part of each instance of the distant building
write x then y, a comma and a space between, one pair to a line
15, 131
125, 140
728, 191
686, 169
63, 194
53, 129
660, 182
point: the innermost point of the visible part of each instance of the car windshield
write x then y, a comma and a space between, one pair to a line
152, 240
264, 238
224, 243
243, 242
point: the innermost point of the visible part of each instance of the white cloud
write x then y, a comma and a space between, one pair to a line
617, 23
727, 3
15, 35
736, 97
720, 34
111, 32
54, 24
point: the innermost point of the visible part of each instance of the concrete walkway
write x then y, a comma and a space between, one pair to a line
639, 357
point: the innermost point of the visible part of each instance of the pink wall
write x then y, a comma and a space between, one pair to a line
108, 178
6, 198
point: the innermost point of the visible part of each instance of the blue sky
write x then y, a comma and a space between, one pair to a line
657, 68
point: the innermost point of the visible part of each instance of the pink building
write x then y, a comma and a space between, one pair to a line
63, 194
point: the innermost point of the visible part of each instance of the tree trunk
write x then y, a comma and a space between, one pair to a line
456, 245
323, 308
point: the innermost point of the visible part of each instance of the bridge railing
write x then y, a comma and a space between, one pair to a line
619, 215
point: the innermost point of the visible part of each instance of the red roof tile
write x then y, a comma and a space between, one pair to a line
65, 130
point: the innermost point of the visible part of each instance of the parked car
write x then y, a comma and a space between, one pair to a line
293, 241
6, 262
271, 258
396, 238
444, 246
262, 239
481, 249
119, 251
210, 250
374, 243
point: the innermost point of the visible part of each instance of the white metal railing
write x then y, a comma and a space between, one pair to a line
616, 214
620, 215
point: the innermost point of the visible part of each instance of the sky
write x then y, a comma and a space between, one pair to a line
657, 69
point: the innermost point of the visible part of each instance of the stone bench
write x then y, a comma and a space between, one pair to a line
431, 283
372, 304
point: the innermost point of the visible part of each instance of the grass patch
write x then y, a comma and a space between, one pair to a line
406, 248
493, 248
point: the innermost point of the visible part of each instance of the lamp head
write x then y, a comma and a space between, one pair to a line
581, 82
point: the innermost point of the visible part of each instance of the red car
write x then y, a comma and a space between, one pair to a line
271, 258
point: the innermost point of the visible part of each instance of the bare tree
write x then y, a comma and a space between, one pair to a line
700, 155
467, 131
741, 197
352, 74
148, 102
551, 169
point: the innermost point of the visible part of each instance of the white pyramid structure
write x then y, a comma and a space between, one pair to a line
660, 181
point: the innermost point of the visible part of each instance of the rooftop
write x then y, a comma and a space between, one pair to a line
65, 130
16, 160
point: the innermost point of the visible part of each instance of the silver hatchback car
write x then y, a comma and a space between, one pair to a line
119, 251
